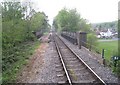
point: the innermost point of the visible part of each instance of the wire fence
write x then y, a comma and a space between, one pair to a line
92, 47
106, 54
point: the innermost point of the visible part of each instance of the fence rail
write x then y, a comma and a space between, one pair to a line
73, 38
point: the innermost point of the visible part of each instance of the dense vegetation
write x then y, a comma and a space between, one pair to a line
18, 23
70, 20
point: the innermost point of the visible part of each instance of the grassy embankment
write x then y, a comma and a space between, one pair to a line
110, 47
24, 52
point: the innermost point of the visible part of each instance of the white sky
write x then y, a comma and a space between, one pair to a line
94, 11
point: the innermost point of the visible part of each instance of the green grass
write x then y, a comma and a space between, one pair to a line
110, 48
46, 33
26, 50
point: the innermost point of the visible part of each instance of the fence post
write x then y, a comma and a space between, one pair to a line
81, 36
103, 56
103, 53
78, 40
90, 47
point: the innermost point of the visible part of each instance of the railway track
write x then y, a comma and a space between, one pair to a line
72, 69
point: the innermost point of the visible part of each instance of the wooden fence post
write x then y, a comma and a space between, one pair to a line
103, 57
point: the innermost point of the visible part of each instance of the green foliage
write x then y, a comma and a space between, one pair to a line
16, 31
115, 52
92, 42
117, 68
39, 20
16, 60
70, 20
11, 10
84, 26
92, 39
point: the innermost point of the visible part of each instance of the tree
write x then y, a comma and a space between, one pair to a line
11, 10
70, 20
63, 20
39, 21
67, 20
84, 26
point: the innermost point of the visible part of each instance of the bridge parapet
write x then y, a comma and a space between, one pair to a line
78, 38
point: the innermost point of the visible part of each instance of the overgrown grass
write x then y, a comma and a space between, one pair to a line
25, 51
110, 48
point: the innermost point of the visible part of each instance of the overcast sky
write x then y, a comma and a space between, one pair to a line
94, 11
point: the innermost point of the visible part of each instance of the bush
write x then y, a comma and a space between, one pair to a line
117, 68
92, 40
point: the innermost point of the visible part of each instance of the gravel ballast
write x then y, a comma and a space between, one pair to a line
104, 72
48, 73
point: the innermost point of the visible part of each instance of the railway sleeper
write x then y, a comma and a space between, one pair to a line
62, 79
77, 70
84, 81
82, 77
74, 66
60, 74
57, 70
70, 58
72, 62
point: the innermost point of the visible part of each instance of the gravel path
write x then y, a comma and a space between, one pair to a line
35, 63
41, 67
104, 72
47, 73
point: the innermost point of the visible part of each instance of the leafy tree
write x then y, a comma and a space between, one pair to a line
84, 26
62, 20
70, 20
39, 20
67, 20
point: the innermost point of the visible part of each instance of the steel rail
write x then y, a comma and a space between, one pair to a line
83, 62
63, 64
